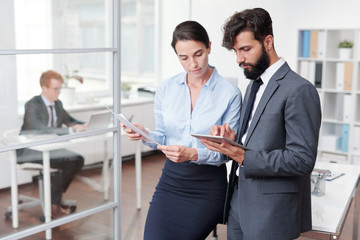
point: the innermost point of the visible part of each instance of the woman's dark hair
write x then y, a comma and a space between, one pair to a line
257, 21
190, 30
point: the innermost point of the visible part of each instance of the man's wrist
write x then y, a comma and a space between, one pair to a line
242, 163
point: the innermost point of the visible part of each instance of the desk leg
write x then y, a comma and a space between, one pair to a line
105, 175
14, 190
356, 212
138, 173
105, 171
47, 190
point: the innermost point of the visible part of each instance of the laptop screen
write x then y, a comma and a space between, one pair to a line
100, 120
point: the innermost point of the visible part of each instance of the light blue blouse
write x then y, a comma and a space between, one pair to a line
219, 102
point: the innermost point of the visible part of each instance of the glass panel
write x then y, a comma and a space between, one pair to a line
44, 24
81, 101
58, 24
128, 8
81, 174
94, 68
98, 226
129, 49
149, 53
137, 40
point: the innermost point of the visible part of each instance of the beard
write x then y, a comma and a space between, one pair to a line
260, 66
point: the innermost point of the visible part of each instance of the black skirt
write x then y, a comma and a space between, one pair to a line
187, 203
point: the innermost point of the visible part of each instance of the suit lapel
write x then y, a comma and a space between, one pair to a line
269, 91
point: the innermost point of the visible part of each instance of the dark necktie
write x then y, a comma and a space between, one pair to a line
249, 105
233, 179
51, 116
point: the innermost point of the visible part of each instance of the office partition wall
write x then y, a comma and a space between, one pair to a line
74, 38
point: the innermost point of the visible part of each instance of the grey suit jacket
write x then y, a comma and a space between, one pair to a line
36, 118
274, 184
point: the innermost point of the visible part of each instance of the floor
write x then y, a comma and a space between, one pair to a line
99, 226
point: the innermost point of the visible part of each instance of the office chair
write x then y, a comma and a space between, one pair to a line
27, 201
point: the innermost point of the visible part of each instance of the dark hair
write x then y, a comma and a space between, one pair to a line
190, 30
47, 76
257, 21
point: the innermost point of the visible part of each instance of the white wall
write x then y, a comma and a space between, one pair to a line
288, 17
172, 13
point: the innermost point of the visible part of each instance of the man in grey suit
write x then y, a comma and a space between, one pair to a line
44, 114
271, 196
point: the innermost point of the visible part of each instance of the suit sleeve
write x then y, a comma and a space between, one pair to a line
66, 118
292, 151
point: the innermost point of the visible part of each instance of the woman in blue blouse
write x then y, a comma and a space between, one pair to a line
189, 198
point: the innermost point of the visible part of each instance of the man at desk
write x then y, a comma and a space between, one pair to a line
44, 114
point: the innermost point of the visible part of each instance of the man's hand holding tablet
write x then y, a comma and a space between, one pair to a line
217, 139
222, 139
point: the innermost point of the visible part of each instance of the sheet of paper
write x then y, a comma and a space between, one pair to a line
330, 175
334, 175
128, 124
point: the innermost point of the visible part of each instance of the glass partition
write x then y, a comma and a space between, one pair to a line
62, 24
86, 163
76, 39
98, 226
94, 68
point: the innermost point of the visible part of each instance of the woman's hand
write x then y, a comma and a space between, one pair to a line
178, 153
132, 135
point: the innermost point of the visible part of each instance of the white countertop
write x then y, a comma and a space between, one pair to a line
98, 104
329, 210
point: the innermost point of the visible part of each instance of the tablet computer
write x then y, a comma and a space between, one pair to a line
217, 139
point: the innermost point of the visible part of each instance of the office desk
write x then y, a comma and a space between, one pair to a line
329, 211
45, 149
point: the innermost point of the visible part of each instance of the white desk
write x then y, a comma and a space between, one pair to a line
98, 105
45, 149
329, 211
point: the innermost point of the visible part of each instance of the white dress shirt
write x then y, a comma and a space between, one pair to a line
265, 77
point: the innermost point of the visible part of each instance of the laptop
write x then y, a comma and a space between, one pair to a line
100, 120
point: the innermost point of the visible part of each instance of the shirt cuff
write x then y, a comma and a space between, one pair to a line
151, 145
202, 155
